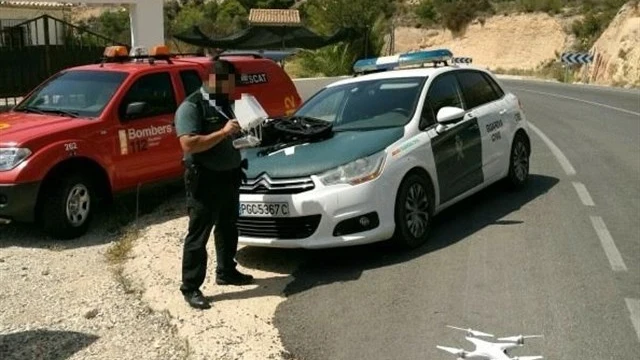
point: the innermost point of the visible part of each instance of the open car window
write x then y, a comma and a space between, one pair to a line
366, 105
79, 92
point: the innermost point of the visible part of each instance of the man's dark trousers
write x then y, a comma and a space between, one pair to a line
212, 199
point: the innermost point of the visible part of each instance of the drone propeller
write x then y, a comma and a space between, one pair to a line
471, 331
527, 358
519, 339
460, 353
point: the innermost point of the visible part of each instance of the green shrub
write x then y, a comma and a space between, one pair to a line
111, 24
454, 15
338, 59
333, 60
426, 12
547, 6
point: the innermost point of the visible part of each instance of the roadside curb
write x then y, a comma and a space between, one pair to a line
525, 78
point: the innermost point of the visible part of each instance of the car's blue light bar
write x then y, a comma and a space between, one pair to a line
407, 59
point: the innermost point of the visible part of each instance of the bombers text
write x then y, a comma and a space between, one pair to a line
150, 131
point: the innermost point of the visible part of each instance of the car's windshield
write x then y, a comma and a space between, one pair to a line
365, 105
79, 93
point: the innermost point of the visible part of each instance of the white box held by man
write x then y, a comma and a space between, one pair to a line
250, 115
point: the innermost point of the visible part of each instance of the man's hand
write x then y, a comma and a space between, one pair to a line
199, 143
231, 127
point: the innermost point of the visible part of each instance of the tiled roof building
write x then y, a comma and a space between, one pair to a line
280, 17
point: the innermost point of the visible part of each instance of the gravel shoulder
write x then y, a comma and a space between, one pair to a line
239, 324
61, 300
71, 300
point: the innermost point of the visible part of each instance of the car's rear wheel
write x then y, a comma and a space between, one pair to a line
413, 211
519, 162
67, 207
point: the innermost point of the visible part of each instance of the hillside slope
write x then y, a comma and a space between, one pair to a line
617, 51
521, 41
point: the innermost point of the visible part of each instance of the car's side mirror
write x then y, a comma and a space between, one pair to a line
450, 114
135, 108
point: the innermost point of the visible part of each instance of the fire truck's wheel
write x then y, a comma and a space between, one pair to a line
67, 206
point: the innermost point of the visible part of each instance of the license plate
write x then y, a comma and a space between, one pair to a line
269, 209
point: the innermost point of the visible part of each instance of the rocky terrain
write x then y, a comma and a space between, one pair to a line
528, 41
62, 300
510, 42
618, 51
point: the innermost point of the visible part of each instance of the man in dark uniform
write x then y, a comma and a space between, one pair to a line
205, 124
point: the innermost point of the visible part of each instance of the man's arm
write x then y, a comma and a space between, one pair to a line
187, 126
199, 143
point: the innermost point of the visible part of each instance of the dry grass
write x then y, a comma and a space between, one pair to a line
125, 282
127, 231
119, 251
294, 68
546, 70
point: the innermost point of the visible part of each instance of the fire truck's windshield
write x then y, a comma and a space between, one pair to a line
78, 93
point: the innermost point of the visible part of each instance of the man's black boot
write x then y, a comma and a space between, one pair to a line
196, 300
234, 277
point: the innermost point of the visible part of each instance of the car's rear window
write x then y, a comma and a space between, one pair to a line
81, 92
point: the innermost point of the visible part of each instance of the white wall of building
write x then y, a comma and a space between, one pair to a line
146, 18
11, 16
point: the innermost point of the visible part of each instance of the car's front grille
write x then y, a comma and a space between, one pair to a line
265, 185
280, 228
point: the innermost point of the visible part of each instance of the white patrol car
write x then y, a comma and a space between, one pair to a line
404, 144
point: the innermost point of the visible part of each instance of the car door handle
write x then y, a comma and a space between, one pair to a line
503, 111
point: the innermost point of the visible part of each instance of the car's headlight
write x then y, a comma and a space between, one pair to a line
355, 172
12, 157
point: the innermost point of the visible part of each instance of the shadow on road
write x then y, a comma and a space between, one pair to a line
43, 344
109, 220
265, 287
322, 267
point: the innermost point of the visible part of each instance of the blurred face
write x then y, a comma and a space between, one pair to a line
221, 84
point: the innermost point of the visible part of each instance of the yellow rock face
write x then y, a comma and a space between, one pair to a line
617, 51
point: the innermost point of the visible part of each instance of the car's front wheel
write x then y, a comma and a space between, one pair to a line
67, 206
519, 162
413, 211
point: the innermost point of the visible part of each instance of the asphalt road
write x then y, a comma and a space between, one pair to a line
561, 258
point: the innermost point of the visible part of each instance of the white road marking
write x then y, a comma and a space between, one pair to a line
634, 309
564, 162
583, 194
610, 249
580, 100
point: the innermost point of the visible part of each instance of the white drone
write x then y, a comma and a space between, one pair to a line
251, 116
486, 350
